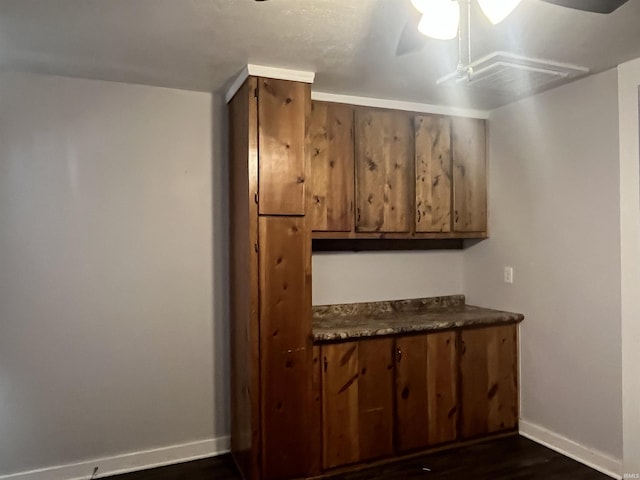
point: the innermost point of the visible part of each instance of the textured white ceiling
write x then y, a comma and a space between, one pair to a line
203, 44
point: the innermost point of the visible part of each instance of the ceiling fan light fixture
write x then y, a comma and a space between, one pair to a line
440, 20
497, 10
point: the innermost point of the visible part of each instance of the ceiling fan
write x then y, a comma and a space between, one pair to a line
424, 23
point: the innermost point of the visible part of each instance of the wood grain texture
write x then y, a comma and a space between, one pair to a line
315, 409
503, 373
442, 387
315, 415
412, 415
469, 175
340, 437
375, 398
433, 173
384, 171
285, 347
357, 401
330, 152
287, 403
283, 108
245, 379
285, 322
488, 380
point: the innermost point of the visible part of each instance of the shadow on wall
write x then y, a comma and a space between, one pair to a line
220, 265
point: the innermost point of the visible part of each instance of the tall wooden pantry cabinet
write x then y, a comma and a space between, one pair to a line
272, 353
302, 170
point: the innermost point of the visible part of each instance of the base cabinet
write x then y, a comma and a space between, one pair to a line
393, 396
357, 401
426, 390
488, 380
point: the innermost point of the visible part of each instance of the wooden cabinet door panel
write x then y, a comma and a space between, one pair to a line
285, 321
282, 110
442, 387
357, 401
287, 406
384, 171
375, 398
433, 173
426, 390
340, 404
330, 150
488, 369
412, 416
469, 175
286, 357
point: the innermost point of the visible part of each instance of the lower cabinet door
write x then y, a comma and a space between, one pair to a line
489, 381
357, 401
426, 390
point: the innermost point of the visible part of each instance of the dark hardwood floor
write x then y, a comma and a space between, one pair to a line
514, 458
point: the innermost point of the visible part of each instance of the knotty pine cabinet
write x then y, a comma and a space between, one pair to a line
357, 401
273, 387
298, 408
330, 137
468, 142
383, 157
392, 396
432, 173
411, 176
426, 390
488, 380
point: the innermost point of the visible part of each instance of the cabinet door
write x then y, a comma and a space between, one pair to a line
384, 171
426, 390
442, 387
412, 415
357, 401
469, 175
433, 173
488, 369
282, 110
330, 150
286, 356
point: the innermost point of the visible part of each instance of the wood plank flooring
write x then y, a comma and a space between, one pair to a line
514, 458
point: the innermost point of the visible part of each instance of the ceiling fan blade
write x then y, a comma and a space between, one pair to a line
596, 6
411, 40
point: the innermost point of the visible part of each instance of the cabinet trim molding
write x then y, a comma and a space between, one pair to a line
400, 105
253, 70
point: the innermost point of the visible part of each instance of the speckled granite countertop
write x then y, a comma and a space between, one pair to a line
356, 320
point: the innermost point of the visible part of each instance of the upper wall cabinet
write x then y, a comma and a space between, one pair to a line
330, 151
469, 175
417, 176
384, 173
281, 136
433, 173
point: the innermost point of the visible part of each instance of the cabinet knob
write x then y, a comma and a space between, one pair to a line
398, 355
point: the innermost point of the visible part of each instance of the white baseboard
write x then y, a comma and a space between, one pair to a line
128, 462
592, 458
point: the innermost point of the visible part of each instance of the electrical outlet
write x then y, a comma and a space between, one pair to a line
508, 274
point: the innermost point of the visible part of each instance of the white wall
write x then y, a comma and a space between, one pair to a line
367, 277
628, 84
554, 202
111, 340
